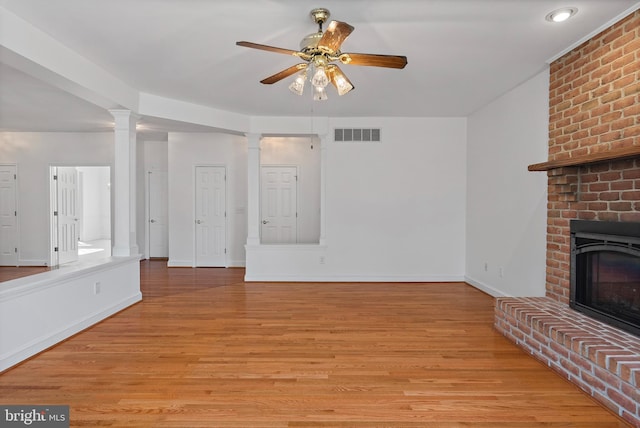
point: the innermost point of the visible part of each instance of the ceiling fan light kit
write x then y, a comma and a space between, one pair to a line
320, 50
297, 86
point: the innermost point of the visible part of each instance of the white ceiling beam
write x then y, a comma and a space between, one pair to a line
30, 50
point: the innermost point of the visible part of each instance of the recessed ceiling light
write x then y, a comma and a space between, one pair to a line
561, 15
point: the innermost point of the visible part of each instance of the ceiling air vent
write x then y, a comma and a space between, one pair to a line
357, 134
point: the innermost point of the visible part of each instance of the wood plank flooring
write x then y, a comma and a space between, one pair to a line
205, 349
8, 273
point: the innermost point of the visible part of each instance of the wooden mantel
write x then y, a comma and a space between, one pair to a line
616, 154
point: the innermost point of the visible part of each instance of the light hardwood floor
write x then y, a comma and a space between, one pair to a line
8, 273
205, 349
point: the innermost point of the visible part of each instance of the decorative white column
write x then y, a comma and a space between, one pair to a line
125, 241
253, 189
324, 138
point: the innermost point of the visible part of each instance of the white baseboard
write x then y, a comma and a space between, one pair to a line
353, 278
179, 263
26, 262
189, 263
484, 287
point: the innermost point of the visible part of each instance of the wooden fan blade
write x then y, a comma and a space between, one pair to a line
283, 74
268, 48
334, 35
373, 60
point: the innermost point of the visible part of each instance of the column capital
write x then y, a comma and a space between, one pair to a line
253, 140
124, 118
121, 112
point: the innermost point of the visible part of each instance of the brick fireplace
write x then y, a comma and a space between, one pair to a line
593, 173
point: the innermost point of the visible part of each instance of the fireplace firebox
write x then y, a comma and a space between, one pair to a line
605, 272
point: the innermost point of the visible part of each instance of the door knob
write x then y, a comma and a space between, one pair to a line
152, 221
198, 222
264, 222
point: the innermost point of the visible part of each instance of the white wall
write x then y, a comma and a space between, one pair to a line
185, 152
34, 153
506, 204
156, 155
395, 210
435, 200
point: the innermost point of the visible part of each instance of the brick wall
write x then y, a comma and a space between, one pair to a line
594, 106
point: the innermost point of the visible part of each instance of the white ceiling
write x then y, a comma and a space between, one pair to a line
462, 54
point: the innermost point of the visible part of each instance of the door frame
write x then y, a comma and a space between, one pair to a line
147, 214
147, 210
297, 168
16, 200
194, 211
53, 197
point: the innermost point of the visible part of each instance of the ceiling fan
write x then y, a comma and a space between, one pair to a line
320, 51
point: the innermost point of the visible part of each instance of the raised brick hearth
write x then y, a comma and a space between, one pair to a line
600, 359
594, 107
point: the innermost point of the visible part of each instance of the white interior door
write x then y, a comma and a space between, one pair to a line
278, 195
8, 216
158, 214
68, 220
211, 216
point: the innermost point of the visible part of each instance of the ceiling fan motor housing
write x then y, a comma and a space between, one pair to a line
319, 16
310, 41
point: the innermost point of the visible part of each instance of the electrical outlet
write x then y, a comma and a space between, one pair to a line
486, 266
96, 288
322, 260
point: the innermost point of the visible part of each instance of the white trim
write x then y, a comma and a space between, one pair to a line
52, 206
147, 213
594, 33
355, 278
493, 292
31, 262
180, 263
194, 189
297, 168
52, 220
187, 263
147, 209
16, 199
285, 247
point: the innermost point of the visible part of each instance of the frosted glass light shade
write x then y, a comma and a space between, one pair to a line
319, 94
341, 82
320, 78
297, 86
